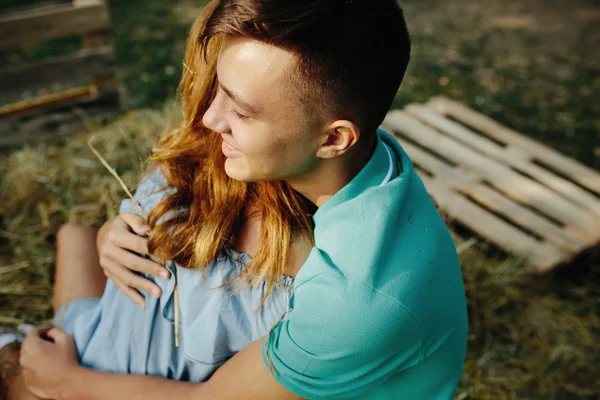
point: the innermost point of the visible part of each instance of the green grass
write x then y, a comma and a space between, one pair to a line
151, 50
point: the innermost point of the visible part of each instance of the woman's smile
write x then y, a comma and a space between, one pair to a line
229, 150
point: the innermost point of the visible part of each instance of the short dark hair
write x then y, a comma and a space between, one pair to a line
352, 54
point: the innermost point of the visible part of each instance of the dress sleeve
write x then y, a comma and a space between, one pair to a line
341, 338
152, 189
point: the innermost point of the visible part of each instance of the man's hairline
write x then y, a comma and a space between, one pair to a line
293, 77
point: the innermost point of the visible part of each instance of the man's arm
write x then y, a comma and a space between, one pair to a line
245, 376
90, 384
246, 369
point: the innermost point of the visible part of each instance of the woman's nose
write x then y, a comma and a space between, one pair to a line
214, 118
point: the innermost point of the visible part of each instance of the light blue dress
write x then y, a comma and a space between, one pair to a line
114, 334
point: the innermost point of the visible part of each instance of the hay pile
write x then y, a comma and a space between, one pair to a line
45, 185
530, 338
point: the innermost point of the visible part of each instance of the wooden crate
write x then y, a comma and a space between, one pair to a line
521, 195
66, 110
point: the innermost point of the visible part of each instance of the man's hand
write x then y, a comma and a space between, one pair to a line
48, 360
123, 235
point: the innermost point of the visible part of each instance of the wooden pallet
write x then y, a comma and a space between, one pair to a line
48, 114
522, 196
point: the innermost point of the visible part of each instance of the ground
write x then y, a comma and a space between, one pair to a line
530, 64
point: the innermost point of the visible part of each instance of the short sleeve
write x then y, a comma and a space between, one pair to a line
152, 189
341, 338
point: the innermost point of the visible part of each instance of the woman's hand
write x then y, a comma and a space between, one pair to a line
116, 242
48, 361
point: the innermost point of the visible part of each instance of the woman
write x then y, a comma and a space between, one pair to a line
281, 118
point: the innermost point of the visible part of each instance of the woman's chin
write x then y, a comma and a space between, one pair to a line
236, 171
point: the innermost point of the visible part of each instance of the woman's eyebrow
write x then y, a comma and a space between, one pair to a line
247, 106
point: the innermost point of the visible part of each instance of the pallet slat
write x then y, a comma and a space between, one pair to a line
542, 255
459, 180
84, 64
53, 21
566, 165
512, 156
40, 102
60, 119
517, 186
492, 184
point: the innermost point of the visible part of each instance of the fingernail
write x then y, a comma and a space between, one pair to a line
164, 274
156, 292
142, 304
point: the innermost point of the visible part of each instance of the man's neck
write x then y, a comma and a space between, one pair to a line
333, 174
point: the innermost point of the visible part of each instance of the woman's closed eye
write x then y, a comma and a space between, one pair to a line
237, 114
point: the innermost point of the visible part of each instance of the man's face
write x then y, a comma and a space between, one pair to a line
258, 113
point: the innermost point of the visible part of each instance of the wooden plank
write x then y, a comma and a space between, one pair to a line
103, 81
542, 255
512, 156
57, 124
53, 21
519, 187
439, 121
44, 101
511, 210
61, 119
86, 63
79, 3
568, 166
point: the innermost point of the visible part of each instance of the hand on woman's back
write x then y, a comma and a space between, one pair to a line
117, 246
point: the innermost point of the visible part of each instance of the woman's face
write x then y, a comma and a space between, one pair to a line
258, 113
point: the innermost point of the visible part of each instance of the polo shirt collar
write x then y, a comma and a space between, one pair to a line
378, 170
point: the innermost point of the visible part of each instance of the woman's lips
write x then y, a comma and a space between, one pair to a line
229, 150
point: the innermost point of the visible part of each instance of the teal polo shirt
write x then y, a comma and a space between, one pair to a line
378, 309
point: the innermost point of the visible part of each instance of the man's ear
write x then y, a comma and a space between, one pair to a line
339, 138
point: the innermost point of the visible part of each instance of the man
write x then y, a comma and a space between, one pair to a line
378, 309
